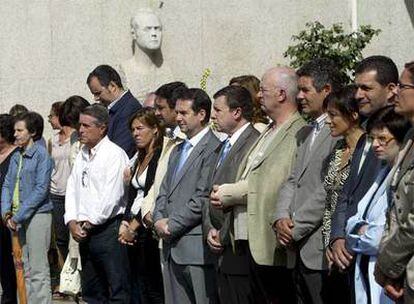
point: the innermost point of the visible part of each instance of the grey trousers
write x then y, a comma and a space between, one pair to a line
192, 283
166, 278
34, 237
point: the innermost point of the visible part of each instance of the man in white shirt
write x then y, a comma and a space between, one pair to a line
93, 209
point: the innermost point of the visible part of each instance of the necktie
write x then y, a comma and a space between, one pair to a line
224, 152
185, 149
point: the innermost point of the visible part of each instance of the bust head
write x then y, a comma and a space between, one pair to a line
146, 30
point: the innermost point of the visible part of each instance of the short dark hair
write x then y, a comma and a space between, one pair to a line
410, 68
18, 109
34, 123
99, 112
70, 110
7, 128
169, 92
105, 74
323, 71
237, 97
344, 101
386, 69
200, 100
396, 124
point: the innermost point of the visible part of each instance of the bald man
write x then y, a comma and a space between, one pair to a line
252, 198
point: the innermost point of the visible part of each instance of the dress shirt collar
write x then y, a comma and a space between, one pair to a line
319, 122
236, 135
196, 139
31, 150
112, 104
89, 154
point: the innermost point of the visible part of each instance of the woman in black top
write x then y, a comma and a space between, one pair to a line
7, 272
144, 255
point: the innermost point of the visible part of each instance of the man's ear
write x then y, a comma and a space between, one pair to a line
202, 115
391, 92
327, 89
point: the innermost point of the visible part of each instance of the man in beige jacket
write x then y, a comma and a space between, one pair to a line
252, 198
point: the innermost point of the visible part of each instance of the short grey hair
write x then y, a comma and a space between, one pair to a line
99, 112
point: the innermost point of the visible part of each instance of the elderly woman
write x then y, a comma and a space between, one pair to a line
148, 133
26, 207
364, 230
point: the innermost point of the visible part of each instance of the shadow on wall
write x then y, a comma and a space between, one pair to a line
410, 7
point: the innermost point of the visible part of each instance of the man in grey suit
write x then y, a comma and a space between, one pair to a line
301, 200
232, 114
251, 198
178, 208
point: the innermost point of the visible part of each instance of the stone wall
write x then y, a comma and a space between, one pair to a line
48, 47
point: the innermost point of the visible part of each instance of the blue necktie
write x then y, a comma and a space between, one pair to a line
185, 148
224, 152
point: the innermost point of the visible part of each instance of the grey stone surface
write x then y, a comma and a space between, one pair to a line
48, 47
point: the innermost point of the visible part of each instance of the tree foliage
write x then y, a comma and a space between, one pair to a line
316, 41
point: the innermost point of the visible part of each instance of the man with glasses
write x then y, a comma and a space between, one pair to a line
93, 210
251, 198
395, 265
376, 78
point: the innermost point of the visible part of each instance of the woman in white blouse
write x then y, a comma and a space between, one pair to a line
146, 280
364, 230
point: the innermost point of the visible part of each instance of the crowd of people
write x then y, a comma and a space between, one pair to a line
296, 188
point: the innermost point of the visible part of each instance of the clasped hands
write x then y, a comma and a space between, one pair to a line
79, 230
215, 199
126, 234
283, 229
161, 227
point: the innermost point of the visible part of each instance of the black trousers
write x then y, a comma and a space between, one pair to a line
60, 229
145, 266
7, 271
105, 272
241, 280
309, 284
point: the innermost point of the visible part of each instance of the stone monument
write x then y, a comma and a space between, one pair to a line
145, 71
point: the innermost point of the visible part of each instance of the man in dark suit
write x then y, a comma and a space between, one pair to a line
232, 114
301, 201
376, 78
105, 84
178, 208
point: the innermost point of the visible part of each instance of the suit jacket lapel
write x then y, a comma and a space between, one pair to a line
406, 162
317, 144
233, 151
197, 150
278, 138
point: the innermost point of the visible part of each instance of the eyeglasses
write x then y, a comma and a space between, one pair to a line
264, 90
405, 86
382, 140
